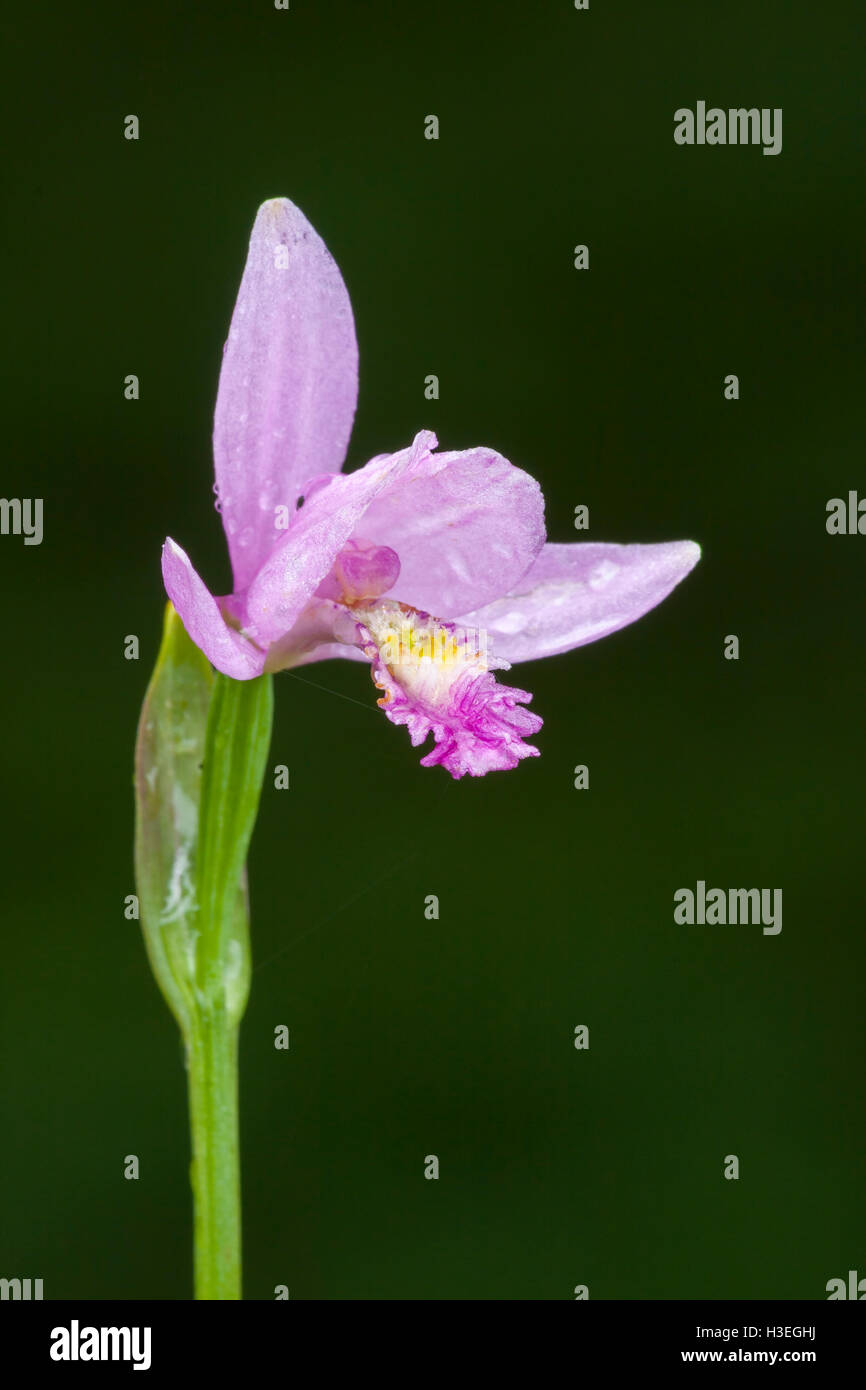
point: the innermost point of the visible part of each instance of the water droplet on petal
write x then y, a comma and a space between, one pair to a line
602, 574
268, 495
245, 537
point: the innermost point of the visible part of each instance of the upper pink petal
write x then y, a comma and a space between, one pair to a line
465, 532
200, 613
288, 384
575, 594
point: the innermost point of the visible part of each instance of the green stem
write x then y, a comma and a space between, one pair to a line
236, 747
200, 762
216, 1177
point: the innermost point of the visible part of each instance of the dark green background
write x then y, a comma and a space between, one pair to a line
454, 1037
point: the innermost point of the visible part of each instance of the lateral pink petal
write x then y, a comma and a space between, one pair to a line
288, 384
199, 611
465, 533
575, 594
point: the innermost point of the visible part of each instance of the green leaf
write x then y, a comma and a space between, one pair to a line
200, 760
168, 758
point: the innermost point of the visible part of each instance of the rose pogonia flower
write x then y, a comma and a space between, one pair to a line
431, 566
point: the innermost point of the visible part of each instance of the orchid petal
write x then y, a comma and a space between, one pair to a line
465, 533
317, 534
288, 384
575, 594
199, 611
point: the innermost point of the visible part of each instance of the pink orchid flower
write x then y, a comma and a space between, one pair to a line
431, 566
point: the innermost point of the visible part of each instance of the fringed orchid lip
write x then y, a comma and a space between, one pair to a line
459, 534
437, 678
